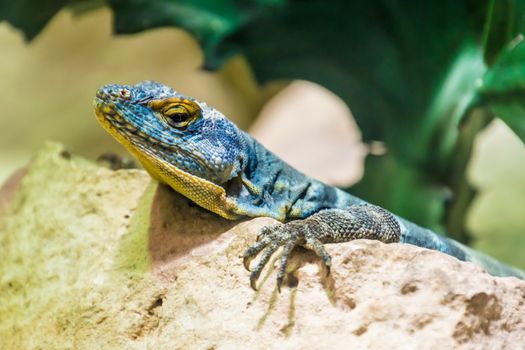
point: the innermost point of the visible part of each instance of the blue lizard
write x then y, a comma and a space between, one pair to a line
198, 152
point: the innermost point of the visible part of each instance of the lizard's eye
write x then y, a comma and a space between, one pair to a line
177, 116
177, 112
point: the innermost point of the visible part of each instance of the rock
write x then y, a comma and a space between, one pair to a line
94, 258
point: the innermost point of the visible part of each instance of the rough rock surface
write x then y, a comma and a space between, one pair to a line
101, 259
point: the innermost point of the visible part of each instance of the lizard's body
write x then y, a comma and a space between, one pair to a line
198, 152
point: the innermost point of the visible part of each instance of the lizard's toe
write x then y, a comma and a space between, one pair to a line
265, 257
252, 252
272, 239
264, 237
284, 263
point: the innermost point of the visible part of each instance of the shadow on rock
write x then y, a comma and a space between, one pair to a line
178, 226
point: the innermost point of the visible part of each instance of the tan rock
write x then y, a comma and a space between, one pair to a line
101, 259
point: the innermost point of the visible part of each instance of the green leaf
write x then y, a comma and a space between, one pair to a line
209, 21
385, 59
450, 106
17, 13
505, 20
503, 87
31, 16
434, 190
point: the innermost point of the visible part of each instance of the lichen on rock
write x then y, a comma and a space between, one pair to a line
95, 258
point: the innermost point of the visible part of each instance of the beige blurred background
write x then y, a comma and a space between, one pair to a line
48, 84
47, 87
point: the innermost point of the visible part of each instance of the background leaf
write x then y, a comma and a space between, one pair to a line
503, 87
208, 21
504, 21
31, 16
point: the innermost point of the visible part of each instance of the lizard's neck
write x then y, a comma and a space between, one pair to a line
270, 187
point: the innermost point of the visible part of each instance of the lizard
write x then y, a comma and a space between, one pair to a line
197, 151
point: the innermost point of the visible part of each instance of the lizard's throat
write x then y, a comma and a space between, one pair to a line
201, 191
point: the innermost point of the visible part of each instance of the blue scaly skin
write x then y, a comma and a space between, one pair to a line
198, 152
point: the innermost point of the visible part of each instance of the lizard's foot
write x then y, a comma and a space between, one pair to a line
326, 226
271, 238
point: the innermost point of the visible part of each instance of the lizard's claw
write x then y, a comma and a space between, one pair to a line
287, 236
261, 243
246, 260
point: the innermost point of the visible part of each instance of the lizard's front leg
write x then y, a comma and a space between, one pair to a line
327, 226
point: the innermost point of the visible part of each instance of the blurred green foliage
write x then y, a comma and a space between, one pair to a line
422, 77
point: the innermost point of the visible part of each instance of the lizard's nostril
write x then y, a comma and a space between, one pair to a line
125, 94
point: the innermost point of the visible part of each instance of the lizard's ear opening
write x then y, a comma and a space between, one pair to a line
176, 112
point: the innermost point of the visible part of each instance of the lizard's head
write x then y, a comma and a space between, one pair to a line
177, 138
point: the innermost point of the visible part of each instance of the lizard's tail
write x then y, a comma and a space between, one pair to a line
421, 237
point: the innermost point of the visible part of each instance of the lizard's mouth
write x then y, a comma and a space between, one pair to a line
113, 121
108, 111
